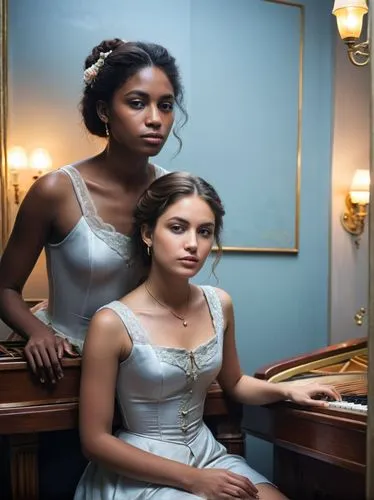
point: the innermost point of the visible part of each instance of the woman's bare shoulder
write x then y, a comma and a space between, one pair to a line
51, 186
43, 200
225, 299
106, 334
106, 319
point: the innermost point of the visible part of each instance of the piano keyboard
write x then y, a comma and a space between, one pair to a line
351, 403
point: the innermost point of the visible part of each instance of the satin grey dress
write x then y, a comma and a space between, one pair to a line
93, 265
161, 393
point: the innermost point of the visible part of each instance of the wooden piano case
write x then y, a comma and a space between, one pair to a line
28, 408
319, 454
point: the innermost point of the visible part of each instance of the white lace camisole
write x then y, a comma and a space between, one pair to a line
91, 266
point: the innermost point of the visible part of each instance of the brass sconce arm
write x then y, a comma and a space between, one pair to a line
15, 183
16, 194
356, 204
358, 53
353, 219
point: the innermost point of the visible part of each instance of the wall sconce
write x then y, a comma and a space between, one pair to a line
356, 202
349, 17
40, 161
17, 161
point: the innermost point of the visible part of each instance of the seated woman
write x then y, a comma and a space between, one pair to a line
158, 349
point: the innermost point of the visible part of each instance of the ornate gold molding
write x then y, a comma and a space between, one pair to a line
370, 419
4, 215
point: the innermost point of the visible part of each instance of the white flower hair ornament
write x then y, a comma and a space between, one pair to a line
91, 73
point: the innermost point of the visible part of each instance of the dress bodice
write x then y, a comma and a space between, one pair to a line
161, 390
91, 266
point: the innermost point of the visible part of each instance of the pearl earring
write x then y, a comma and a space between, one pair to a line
106, 129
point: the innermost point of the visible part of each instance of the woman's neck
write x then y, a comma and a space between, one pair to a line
119, 165
170, 290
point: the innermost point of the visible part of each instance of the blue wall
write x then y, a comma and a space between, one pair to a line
281, 301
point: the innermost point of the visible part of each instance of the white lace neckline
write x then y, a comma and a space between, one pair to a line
189, 360
200, 347
119, 242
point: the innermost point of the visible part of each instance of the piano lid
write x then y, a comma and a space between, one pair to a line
350, 357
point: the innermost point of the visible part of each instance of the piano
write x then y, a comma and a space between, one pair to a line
29, 408
319, 454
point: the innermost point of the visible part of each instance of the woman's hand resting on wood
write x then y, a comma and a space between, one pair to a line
44, 352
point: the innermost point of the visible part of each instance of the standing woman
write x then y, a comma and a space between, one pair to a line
81, 214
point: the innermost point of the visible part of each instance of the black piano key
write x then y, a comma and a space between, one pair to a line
361, 400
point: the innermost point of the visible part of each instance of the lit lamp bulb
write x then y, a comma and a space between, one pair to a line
40, 161
360, 187
17, 161
349, 17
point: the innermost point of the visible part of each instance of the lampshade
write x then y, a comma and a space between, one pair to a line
349, 16
40, 160
16, 158
360, 187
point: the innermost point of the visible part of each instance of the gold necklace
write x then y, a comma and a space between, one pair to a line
181, 318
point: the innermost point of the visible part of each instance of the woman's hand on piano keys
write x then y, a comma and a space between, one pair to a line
312, 394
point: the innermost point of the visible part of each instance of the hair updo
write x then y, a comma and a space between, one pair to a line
164, 192
125, 60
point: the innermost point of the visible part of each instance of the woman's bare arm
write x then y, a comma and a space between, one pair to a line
250, 390
30, 233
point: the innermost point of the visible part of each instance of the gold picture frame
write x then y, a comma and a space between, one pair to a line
4, 212
295, 248
370, 418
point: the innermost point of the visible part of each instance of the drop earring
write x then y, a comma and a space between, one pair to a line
149, 250
106, 129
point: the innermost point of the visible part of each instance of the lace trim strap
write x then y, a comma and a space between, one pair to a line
216, 310
130, 321
81, 191
118, 242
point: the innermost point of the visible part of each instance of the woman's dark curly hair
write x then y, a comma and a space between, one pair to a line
125, 60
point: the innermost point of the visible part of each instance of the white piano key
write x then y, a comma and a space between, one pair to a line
343, 405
